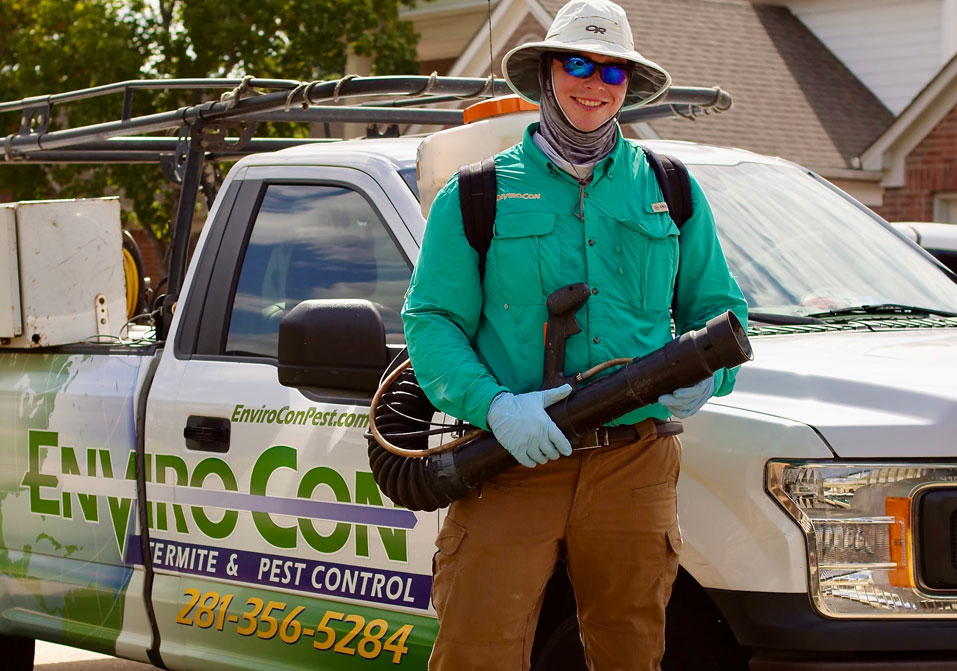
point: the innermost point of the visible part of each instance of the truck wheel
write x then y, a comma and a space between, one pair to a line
563, 649
18, 652
697, 635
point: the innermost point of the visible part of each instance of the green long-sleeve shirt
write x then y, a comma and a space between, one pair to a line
470, 339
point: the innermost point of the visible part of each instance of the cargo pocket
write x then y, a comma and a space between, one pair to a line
670, 568
443, 561
450, 537
649, 249
516, 257
655, 505
674, 538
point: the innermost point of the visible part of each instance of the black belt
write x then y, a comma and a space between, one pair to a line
616, 436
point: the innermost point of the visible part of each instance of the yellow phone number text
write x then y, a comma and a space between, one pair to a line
268, 619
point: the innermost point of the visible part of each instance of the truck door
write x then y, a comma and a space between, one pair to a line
272, 545
68, 498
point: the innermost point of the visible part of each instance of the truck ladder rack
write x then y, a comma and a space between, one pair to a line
224, 128
288, 101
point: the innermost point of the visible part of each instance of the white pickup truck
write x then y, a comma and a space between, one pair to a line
164, 498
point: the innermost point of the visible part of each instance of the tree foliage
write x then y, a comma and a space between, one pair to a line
50, 46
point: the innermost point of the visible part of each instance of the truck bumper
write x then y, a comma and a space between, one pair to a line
810, 664
787, 634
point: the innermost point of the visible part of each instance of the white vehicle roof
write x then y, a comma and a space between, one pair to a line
402, 153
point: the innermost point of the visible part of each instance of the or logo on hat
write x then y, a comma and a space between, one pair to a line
596, 29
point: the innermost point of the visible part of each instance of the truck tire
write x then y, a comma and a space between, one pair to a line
18, 652
696, 637
563, 649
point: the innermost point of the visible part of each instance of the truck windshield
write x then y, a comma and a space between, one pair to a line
797, 247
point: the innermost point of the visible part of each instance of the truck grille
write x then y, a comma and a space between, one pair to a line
953, 539
937, 539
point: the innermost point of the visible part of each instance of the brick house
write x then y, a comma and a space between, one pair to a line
815, 81
903, 51
917, 155
792, 97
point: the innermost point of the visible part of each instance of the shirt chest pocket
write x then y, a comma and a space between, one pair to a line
519, 257
649, 250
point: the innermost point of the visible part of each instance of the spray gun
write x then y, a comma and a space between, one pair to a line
562, 305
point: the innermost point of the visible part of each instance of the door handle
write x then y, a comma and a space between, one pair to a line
207, 434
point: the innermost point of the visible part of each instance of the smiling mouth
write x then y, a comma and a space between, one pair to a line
586, 102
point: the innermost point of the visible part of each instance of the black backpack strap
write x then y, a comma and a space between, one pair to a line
477, 191
672, 176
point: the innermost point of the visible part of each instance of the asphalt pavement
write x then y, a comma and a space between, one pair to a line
53, 657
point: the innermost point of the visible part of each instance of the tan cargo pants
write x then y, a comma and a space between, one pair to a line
612, 511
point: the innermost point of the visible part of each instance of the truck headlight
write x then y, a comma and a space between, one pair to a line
864, 556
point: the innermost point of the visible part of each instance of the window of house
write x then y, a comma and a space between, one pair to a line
945, 207
314, 242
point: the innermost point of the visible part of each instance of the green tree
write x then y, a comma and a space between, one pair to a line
50, 46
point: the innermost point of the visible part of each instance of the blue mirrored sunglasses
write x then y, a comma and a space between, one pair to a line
583, 67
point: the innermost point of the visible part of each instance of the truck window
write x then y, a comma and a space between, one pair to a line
313, 242
408, 175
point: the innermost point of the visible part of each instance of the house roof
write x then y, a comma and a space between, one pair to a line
445, 25
889, 151
792, 97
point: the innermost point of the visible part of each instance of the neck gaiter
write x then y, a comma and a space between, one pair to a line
575, 145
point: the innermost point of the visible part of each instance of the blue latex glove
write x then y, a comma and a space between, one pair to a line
687, 401
520, 424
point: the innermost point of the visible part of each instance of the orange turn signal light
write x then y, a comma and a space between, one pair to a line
901, 541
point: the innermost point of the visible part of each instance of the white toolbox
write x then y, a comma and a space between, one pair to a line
62, 277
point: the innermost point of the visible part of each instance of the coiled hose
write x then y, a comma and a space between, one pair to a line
403, 408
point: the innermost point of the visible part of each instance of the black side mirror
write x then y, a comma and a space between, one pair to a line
338, 344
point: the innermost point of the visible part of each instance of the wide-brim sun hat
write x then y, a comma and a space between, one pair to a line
594, 26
